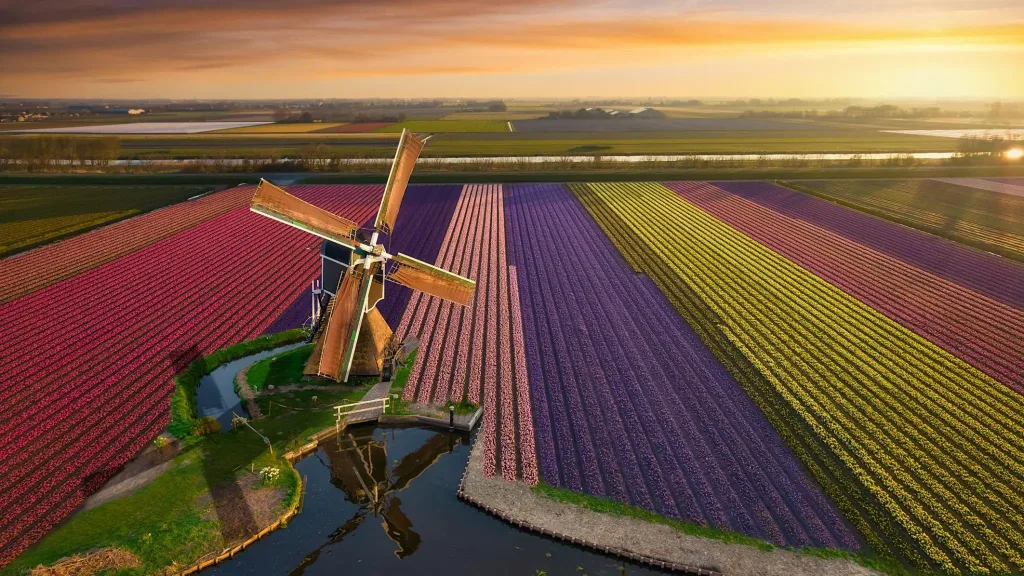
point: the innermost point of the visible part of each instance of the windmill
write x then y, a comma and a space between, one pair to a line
352, 334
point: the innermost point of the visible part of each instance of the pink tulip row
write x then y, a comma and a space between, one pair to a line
94, 372
471, 352
979, 330
30, 271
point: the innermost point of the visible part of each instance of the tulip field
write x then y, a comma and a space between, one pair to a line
922, 451
985, 219
34, 214
476, 353
30, 271
980, 330
628, 402
88, 360
782, 362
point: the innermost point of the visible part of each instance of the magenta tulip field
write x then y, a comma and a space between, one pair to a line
88, 362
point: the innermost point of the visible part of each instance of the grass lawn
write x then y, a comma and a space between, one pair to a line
446, 126
615, 508
279, 370
286, 368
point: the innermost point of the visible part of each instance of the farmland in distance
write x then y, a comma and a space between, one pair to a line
442, 126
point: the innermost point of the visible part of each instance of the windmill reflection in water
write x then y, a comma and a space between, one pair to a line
359, 465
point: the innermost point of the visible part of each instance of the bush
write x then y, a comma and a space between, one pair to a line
206, 426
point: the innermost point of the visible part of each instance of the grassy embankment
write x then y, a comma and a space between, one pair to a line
171, 520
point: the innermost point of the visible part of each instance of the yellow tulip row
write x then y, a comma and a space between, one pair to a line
932, 442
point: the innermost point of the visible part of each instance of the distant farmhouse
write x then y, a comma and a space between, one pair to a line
646, 113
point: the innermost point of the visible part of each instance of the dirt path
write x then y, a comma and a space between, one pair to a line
246, 393
517, 503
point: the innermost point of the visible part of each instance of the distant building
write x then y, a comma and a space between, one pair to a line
646, 113
136, 111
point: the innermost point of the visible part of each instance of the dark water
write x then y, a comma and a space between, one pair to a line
216, 394
414, 525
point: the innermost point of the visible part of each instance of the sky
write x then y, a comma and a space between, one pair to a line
263, 49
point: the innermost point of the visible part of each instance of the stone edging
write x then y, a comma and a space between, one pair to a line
639, 559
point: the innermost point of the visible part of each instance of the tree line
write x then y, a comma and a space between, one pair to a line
45, 152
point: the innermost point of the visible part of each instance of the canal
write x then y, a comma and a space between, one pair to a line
383, 501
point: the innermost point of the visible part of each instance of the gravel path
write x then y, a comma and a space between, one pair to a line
517, 503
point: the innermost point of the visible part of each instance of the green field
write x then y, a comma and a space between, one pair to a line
442, 126
381, 144
504, 116
527, 144
34, 214
922, 452
988, 220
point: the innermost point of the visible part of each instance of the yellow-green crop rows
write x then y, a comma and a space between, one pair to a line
922, 452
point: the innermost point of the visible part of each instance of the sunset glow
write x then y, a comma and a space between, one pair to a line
313, 48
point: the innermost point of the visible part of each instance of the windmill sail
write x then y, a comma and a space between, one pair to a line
339, 350
275, 203
409, 148
419, 275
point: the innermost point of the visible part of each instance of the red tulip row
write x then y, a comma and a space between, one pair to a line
472, 352
981, 331
30, 271
92, 357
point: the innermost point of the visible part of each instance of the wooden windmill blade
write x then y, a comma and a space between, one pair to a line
274, 202
342, 332
409, 148
419, 275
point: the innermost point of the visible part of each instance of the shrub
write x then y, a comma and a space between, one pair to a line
206, 426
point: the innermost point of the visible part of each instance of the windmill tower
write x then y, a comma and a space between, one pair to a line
353, 334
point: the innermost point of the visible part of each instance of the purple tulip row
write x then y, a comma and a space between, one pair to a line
993, 276
627, 401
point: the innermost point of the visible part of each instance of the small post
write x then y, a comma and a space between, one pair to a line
451, 417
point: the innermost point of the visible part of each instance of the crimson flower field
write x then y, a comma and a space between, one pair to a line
88, 361
740, 355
